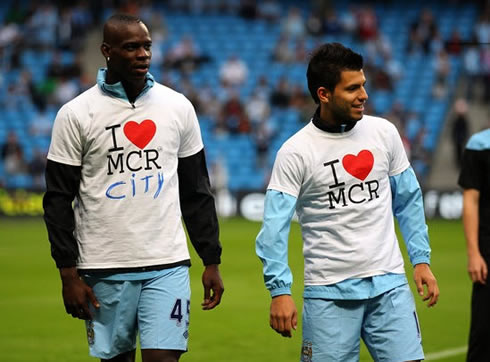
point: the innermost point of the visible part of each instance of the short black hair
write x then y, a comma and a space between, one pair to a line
116, 20
123, 18
326, 64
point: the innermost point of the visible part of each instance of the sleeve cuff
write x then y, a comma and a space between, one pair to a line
211, 261
280, 291
420, 260
66, 263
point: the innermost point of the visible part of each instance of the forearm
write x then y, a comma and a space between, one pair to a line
198, 208
471, 220
409, 210
272, 242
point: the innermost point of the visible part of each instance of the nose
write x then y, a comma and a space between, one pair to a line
363, 95
143, 53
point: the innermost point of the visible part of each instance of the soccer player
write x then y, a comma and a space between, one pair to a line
475, 180
346, 174
129, 152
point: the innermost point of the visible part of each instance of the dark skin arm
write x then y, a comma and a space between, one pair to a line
77, 294
212, 283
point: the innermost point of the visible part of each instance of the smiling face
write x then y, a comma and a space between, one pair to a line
127, 48
345, 103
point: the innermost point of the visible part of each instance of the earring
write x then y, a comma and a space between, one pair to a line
108, 58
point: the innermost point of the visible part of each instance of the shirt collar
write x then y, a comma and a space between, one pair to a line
116, 89
317, 121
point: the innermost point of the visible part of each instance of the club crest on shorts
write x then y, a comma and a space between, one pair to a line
307, 351
90, 332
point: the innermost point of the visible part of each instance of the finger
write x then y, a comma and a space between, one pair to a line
214, 300
92, 298
207, 295
433, 299
479, 276
425, 294
72, 310
484, 274
286, 334
85, 313
274, 324
433, 290
294, 320
210, 304
474, 277
420, 287
67, 309
285, 324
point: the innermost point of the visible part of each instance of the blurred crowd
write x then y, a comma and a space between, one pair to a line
59, 29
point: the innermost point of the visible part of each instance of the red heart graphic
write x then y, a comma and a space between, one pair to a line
359, 166
140, 134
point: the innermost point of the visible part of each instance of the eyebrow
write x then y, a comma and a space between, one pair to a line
356, 85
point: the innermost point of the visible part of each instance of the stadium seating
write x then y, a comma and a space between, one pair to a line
223, 35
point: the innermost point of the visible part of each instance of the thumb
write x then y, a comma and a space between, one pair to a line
294, 320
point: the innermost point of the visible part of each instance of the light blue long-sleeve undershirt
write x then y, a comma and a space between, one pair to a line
272, 243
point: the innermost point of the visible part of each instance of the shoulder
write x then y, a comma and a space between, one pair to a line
83, 103
479, 141
378, 122
297, 143
170, 96
378, 126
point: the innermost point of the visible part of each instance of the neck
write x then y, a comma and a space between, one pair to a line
324, 122
325, 118
132, 89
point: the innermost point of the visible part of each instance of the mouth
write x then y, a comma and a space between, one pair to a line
359, 107
141, 68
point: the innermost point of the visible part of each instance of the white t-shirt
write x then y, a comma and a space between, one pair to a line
344, 198
127, 212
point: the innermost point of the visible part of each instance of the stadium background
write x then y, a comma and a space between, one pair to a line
242, 63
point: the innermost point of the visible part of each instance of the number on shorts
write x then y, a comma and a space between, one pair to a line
176, 312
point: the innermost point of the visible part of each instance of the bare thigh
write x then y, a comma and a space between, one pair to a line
160, 355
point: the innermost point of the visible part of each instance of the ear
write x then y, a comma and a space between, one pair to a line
323, 94
105, 49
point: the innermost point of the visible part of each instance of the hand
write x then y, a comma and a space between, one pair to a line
283, 315
76, 294
477, 268
211, 280
423, 275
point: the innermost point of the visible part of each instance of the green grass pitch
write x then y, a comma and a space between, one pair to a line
34, 326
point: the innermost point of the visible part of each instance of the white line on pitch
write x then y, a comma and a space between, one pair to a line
445, 353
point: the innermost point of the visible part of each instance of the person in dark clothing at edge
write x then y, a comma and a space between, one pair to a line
129, 152
474, 178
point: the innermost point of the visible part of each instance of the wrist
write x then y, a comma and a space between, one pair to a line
472, 252
68, 274
212, 267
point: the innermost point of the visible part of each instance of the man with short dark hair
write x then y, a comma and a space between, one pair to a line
347, 175
129, 152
